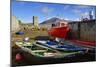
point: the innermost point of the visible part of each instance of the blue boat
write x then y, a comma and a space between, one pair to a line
19, 33
58, 46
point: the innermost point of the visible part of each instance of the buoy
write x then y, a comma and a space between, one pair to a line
19, 57
26, 39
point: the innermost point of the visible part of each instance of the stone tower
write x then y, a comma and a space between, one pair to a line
35, 21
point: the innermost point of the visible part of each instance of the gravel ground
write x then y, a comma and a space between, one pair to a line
32, 60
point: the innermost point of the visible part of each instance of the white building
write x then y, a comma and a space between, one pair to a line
14, 24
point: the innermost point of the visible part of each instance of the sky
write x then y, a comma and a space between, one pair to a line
24, 11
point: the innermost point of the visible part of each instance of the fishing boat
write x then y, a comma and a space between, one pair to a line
44, 52
63, 33
60, 32
58, 46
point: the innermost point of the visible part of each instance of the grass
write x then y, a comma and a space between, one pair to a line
28, 33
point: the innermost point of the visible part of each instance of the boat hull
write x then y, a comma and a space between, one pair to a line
60, 32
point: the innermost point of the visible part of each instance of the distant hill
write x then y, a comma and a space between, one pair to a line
53, 20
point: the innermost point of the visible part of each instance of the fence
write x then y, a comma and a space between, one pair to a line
83, 30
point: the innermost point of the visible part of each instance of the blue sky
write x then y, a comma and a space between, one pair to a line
24, 11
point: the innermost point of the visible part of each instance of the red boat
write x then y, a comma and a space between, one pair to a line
59, 32
63, 32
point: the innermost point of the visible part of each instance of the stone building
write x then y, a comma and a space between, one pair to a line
15, 26
35, 21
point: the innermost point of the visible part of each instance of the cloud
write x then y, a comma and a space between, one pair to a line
66, 7
46, 10
86, 13
77, 19
22, 3
77, 11
82, 7
66, 18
